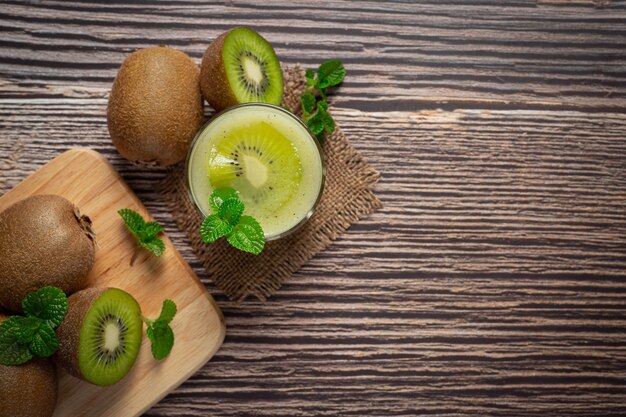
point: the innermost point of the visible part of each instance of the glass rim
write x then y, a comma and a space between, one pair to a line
312, 137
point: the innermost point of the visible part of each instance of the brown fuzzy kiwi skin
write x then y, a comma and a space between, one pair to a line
213, 79
44, 240
28, 390
69, 331
155, 106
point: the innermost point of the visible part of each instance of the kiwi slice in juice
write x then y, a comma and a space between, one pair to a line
101, 335
260, 163
240, 66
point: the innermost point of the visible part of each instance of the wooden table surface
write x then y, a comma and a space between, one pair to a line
493, 282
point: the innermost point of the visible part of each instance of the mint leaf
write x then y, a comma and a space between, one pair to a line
44, 342
316, 123
310, 77
145, 232
48, 304
12, 352
220, 195
231, 210
247, 236
213, 227
331, 73
150, 230
26, 328
161, 338
168, 311
308, 103
159, 331
154, 245
329, 123
133, 220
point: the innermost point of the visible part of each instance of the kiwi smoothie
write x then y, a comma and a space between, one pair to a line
268, 156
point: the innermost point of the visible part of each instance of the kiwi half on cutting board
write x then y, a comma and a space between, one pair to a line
100, 338
240, 67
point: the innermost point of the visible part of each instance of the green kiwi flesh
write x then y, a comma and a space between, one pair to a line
28, 390
260, 163
155, 106
101, 336
240, 66
44, 240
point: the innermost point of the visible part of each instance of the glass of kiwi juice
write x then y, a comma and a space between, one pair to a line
268, 155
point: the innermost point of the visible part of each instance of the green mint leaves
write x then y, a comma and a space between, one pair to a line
241, 231
220, 195
247, 235
159, 331
40, 337
145, 232
49, 304
12, 351
22, 338
331, 73
314, 104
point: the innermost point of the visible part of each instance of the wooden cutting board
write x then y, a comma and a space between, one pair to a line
87, 179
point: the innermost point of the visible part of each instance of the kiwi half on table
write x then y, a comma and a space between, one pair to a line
28, 390
240, 67
100, 338
44, 240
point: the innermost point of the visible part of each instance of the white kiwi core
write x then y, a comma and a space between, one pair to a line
256, 171
111, 337
252, 69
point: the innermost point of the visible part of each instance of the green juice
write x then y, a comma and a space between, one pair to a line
268, 156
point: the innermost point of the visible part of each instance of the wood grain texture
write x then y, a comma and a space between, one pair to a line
493, 282
85, 178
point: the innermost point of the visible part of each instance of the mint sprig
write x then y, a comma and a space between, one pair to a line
241, 231
144, 232
247, 235
44, 341
12, 351
48, 304
24, 337
314, 104
160, 332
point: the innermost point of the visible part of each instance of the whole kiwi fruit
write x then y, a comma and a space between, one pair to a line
44, 240
240, 66
155, 106
28, 390
100, 338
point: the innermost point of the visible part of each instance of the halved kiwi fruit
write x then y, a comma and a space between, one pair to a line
240, 67
261, 163
101, 335
44, 240
28, 390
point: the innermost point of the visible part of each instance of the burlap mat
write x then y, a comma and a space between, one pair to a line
347, 198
